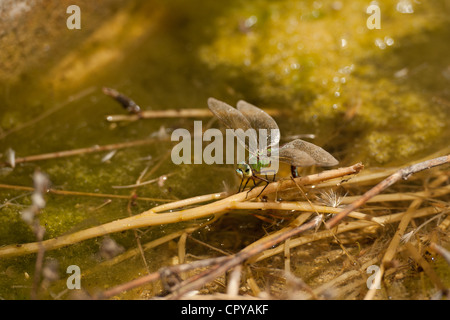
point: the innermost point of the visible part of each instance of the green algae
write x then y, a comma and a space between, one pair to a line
324, 68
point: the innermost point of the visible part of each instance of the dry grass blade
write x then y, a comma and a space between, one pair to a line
292, 235
235, 260
393, 245
83, 194
255, 252
74, 152
404, 173
444, 253
425, 266
174, 113
155, 217
354, 225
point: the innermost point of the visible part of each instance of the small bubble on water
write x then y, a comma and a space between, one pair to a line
250, 22
405, 6
380, 43
389, 41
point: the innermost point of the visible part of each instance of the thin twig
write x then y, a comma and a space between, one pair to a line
173, 113
235, 260
47, 113
442, 251
83, 194
300, 206
151, 217
425, 266
307, 180
403, 196
140, 184
400, 174
395, 242
133, 252
136, 236
354, 225
163, 272
209, 246
269, 240
74, 152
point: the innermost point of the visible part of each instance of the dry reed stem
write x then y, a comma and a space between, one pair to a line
271, 239
300, 206
364, 178
163, 272
260, 249
171, 113
407, 196
208, 275
287, 256
151, 217
360, 224
425, 266
251, 282
133, 252
404, 196
393, 245
83, 194
257, 251
404, 173
371, 175
440, 250
445, 224
74, 152
234, 281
